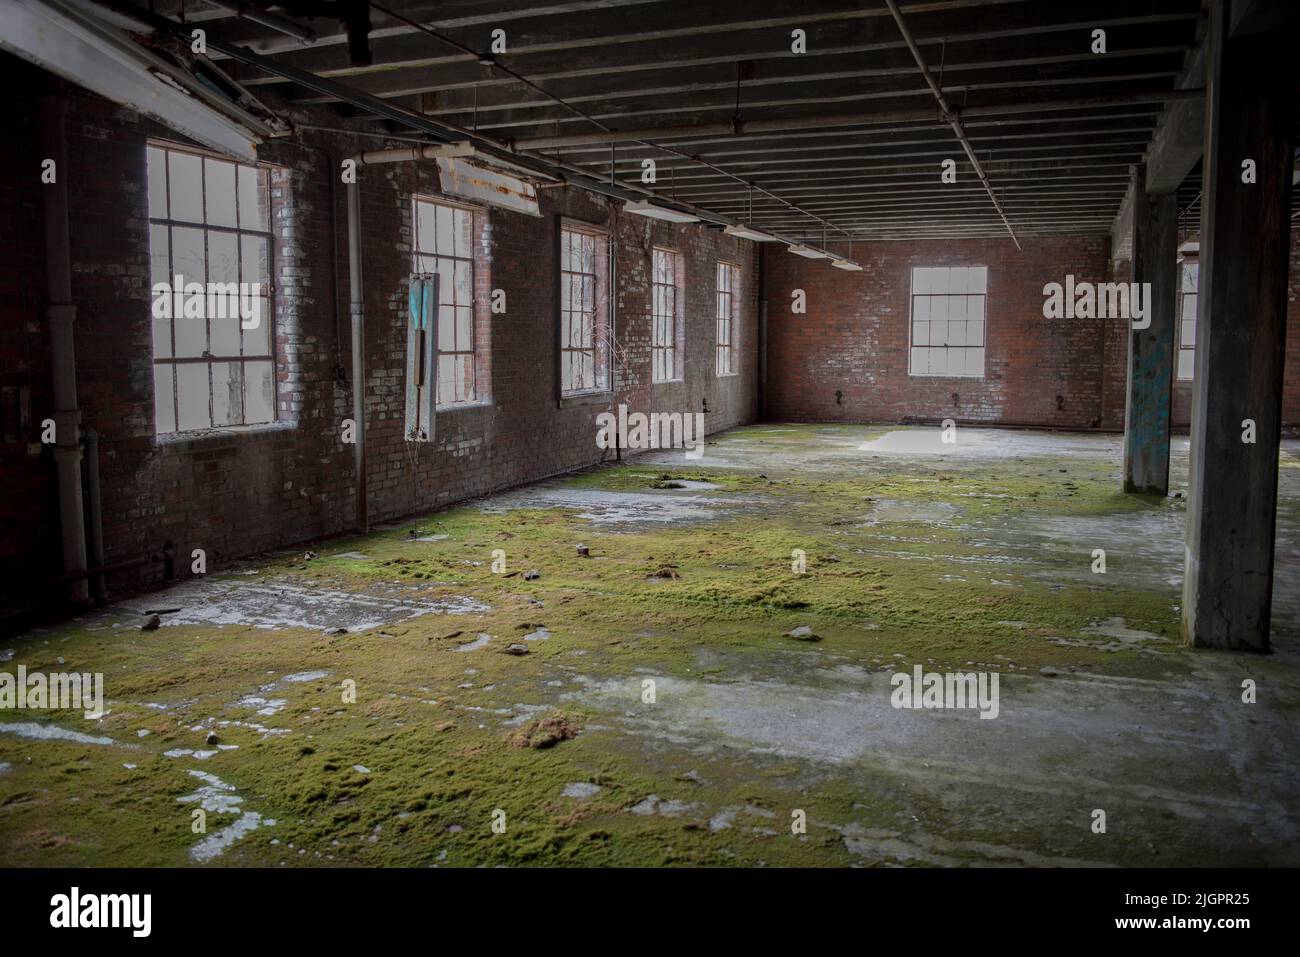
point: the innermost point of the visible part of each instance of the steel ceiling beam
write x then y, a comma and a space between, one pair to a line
831, 122
953, 120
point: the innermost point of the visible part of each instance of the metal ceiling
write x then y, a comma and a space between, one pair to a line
843, 142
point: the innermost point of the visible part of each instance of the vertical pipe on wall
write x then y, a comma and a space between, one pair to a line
60, 314
762, 335
95, 530
358, 350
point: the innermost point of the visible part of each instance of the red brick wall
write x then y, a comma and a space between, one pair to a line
854, 338
29, 530
1182, 410
235, 493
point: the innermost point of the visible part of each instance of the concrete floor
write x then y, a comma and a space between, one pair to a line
976, 556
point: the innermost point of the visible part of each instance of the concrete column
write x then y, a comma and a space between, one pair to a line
1152, 349
1228, 585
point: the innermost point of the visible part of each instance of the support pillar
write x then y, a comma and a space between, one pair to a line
1152, 350
1241, 326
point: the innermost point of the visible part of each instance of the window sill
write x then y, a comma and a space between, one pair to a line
199, 436
727, 375
678, 381
463, 406
583, 399
942, 375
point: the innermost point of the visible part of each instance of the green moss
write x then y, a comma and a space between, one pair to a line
899, 569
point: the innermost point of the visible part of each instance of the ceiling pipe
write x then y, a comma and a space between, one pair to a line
254, 14
358, 311
948, 114
449, 133
758, 127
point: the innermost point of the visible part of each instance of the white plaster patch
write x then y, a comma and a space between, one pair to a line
217, 797
51, 732
283, 605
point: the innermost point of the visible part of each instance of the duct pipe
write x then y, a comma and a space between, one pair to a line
946, 110
358, 311
255, 14
655, 134
60, 313
358, 349
98, 588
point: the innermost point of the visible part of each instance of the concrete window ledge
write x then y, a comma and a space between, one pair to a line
463, 407
197, 437
586, 399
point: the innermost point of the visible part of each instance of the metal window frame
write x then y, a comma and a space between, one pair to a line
674, 318
911, 324
729, 320
1182, 314
602, 308
239, 231
417, 254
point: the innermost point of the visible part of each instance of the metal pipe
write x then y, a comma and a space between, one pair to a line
358, 350
757, 127
953, 120
254, 14
163, 557
60, 313
446, 132
762, 340
98, 588
358, 312
399, 154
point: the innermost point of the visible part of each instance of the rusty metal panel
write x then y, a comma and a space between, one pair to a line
473, 182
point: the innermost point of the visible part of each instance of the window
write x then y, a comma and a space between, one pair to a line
209, 228
584, 310
1187, 323
728, 275
948, 321
667, 346
444, 246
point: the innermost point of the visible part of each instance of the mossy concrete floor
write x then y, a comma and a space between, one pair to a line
976, 556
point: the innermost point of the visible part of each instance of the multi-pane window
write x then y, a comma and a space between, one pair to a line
1187, 323
584, 311
444, 244
210, 255
726, 348
666, 303
947, 332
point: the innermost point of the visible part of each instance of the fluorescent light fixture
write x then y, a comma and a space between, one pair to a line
95, 54
745, 232
848, 264
467, 151
643, 207
479, 183
807, 252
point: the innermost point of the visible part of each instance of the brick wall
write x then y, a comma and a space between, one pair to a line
239, 492
854, 338
1182, 408
1061, 373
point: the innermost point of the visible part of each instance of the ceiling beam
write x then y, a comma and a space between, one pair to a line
770, 63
